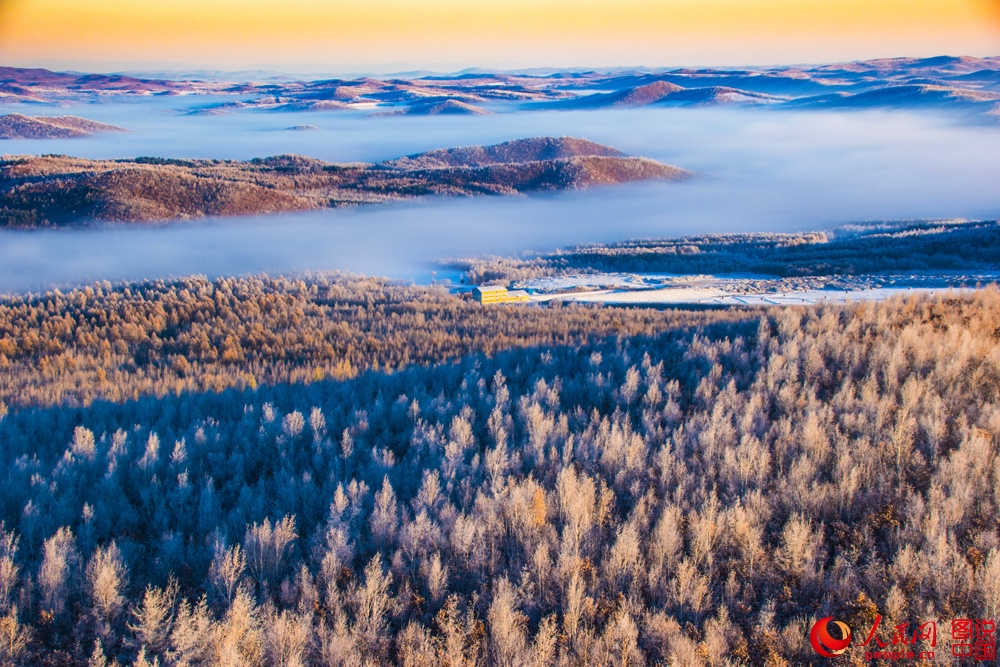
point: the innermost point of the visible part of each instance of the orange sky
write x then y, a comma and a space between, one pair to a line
402, 34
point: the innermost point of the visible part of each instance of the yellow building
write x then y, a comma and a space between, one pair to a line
495, 294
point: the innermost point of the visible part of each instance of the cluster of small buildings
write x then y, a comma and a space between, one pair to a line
486, 294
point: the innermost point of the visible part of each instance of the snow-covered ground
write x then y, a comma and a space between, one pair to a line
742, 290
807, 297
601, 280
719, 297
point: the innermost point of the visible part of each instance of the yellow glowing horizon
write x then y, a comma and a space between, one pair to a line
516, 33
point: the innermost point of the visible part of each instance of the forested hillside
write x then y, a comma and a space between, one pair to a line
688, 494
934, 245
58, 190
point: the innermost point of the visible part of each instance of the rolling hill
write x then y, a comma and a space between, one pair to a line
19, 126
59, 190
448, 106
519, 150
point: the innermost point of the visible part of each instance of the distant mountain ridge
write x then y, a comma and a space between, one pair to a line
904, 96
883, 83
663, 92
59, 190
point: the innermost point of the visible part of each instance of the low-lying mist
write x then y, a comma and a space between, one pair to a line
756, 170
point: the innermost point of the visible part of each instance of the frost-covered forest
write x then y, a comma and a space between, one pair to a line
682, 488
120, 342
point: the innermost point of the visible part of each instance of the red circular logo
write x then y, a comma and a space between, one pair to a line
825, 643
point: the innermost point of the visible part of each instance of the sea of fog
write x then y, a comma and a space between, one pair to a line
755, 170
